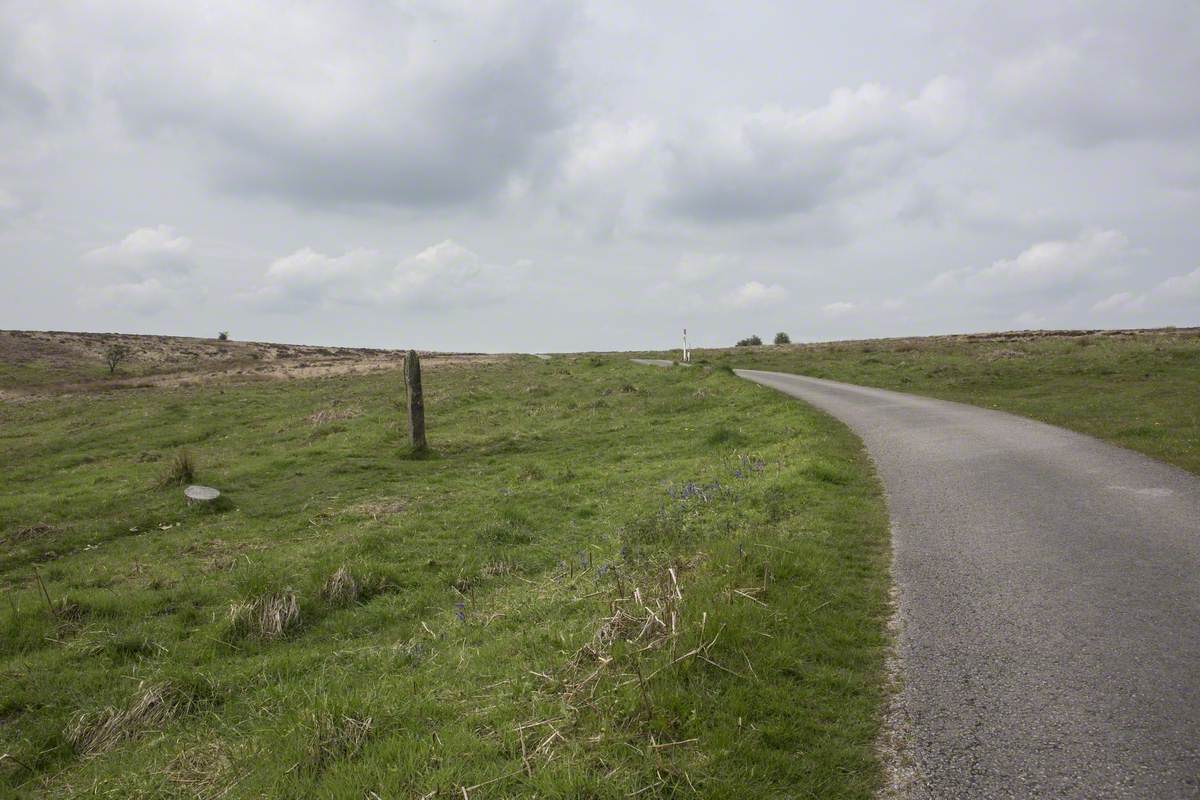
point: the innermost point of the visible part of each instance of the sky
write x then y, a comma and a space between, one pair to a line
546, 176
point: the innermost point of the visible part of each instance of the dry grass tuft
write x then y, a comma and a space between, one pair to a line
334, 737
31, 532
333, 414
152, 707
379, 509
644, 613
1001, 354
203, 771
497, 569
268, 616
341, 588
181, 470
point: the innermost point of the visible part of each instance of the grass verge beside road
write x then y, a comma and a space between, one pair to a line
608, 580
1138, 390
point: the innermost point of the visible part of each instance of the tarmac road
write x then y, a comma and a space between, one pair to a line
1049, 593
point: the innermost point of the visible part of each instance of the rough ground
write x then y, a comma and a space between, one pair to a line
37, 364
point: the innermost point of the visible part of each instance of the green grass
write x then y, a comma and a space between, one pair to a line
606, 579
1139, 391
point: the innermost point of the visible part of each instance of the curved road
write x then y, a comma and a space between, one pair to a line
1049, 596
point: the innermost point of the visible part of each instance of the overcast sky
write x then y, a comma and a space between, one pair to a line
529, 176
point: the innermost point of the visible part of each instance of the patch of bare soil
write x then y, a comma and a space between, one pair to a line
69, 363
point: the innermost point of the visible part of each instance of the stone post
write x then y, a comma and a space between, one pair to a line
416, 401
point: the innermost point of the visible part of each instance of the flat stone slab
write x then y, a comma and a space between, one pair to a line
202, 494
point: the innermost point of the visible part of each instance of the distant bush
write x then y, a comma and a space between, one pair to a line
222, 336
782, 338
752, 341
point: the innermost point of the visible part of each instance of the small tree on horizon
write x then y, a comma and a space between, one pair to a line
222, 336
114, 355
782, 338
750, 341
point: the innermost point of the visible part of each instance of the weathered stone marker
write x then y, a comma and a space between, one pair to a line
416, 401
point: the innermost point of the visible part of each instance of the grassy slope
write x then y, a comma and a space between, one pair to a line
484, 577
1141, 391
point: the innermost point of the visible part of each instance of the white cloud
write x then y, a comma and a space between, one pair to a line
1042, 266
1178, 291
1180, 287
1121, 301
755, 294
443, 276
838, 309
157, 249
147, 271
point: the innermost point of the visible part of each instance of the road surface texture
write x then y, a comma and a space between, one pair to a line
1049, 589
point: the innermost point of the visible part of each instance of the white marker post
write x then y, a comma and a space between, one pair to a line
687, 357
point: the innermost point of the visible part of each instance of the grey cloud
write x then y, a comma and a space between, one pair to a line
1176, 292
19, 96
342, 104
1045, 268
1094, 73
440, 277
760, 165
778, 161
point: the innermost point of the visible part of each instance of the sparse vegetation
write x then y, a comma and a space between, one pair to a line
750, 341
581, 595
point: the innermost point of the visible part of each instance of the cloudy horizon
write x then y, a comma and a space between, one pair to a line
535, 176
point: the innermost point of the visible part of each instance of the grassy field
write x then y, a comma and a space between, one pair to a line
1138, 390
607, 581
